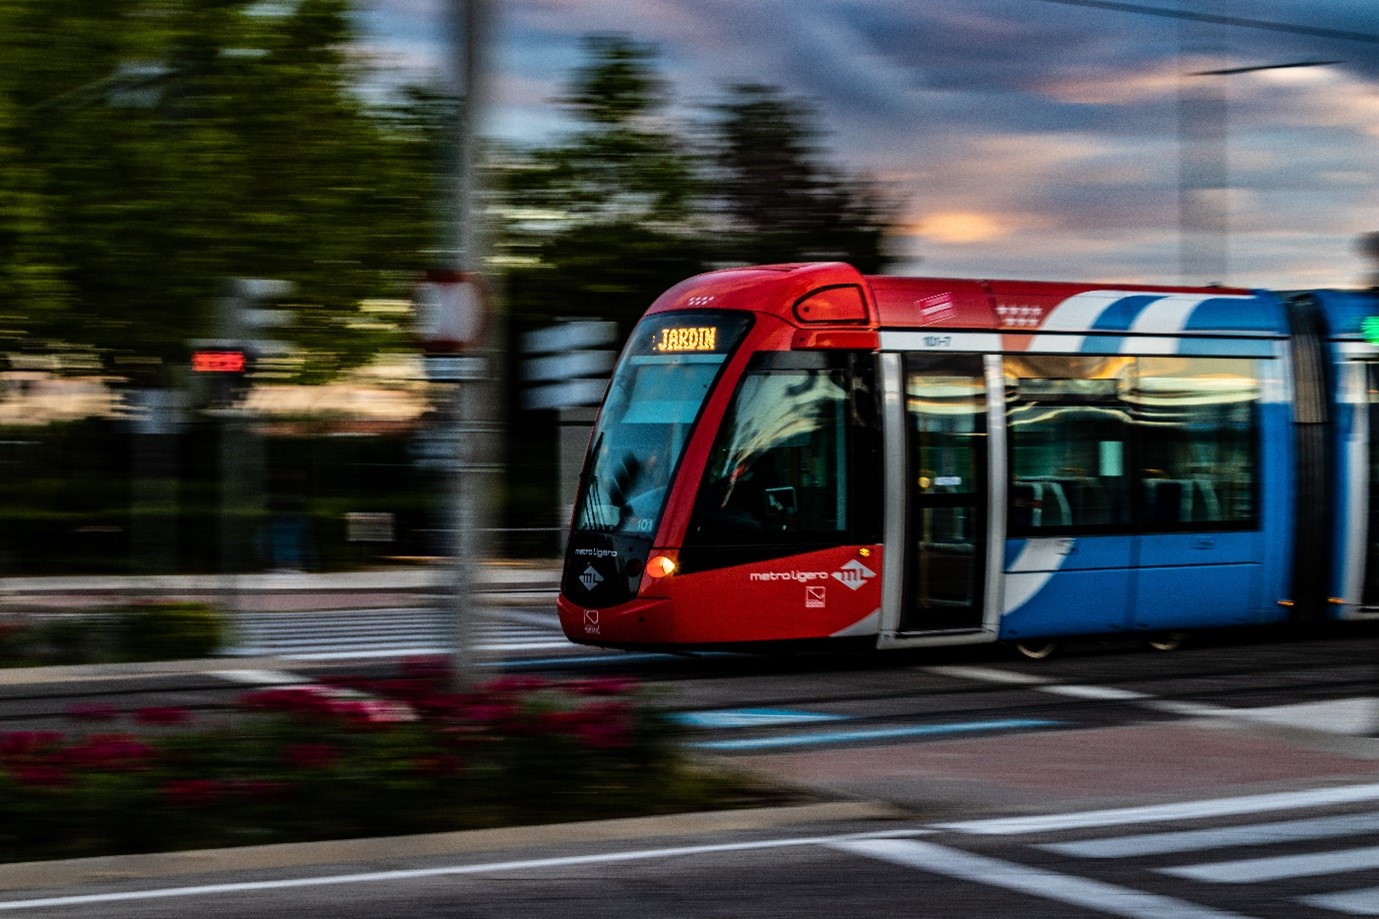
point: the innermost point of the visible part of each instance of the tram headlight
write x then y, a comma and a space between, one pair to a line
660, 566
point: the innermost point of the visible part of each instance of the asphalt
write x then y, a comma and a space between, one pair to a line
1052, 771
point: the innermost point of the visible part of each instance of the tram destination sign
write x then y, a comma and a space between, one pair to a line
681, 339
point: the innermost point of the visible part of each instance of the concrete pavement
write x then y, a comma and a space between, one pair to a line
281, 590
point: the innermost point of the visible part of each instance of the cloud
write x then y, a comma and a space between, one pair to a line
1030, 136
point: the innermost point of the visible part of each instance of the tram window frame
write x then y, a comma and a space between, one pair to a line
1093, 387
1204, 485
1142, 442
857, 484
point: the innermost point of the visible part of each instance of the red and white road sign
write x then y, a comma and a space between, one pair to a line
451, 311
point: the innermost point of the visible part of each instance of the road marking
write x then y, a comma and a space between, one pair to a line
1219, 838
1356, 902
1048, 885
261, 677
374, 877
1191, 709
1185, 810
1279, 867
832, 737
1358, 716
752, 717
989, 675
1097, 693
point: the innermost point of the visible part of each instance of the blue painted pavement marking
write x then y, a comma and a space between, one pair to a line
832, 737
752, 717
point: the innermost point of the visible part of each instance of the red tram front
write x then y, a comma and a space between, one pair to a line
732, 490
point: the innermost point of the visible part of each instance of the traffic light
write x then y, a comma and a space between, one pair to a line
219, 374
221, 366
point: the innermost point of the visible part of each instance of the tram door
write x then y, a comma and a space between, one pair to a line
946, 488
1369, 598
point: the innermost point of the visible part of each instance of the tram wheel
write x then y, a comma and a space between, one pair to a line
1038, 649
1167, 641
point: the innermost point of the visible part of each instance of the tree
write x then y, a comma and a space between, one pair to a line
781, 201
606, 219
158, 147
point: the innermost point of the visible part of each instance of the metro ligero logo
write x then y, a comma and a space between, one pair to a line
590, 578
853, 575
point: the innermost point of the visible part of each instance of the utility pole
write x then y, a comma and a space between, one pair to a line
456, 288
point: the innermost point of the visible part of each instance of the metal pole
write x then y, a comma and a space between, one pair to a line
461, 251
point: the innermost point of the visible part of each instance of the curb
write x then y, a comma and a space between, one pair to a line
69, 872
80, 673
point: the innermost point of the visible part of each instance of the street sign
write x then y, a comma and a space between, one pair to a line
454, 368
451, 311
565, 367
565, 394
568, 366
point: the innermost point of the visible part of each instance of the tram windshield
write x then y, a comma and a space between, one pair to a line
658, 389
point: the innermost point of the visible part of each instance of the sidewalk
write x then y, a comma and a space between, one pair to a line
281, 591
1056, 770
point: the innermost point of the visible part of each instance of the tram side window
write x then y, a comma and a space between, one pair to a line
1067, 439
778, 473
1198, 424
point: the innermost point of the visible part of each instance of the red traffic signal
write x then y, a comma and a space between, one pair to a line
219, 361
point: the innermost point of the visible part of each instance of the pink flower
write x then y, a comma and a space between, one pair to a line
605, 726
438, 766
191, 792
110, 753
605, 736
162, 714
92, 711
489, 713
24, 744
293, 700
311, 755
37, 776
375, 712
602, 686
429, 669
516, 684
260, 789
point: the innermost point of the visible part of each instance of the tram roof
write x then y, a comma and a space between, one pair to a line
1349, 313
837, 294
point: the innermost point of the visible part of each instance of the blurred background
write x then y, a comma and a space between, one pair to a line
215, 216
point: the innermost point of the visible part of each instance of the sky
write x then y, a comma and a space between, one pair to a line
1033, 139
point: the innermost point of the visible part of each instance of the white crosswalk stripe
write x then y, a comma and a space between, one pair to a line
1219, 838
1279, 867
342, 634
1328, 847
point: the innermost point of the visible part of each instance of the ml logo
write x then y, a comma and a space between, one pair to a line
854, 574
590, 578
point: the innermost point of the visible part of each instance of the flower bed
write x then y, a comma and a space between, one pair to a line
341, 760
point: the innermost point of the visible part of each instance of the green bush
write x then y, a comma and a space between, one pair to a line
167, 631
135, 632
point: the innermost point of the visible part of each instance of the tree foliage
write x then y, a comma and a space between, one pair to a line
627, 204
150, 149
782, 200
605, 218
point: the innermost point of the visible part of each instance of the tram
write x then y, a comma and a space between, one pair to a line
802, 455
